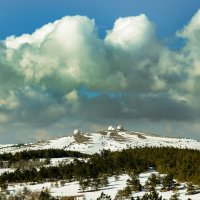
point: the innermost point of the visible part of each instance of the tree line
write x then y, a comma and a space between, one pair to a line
41, 153
183, 164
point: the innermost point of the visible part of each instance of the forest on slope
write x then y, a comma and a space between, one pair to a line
183, 164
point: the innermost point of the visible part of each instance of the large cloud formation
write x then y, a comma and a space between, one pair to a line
64, 73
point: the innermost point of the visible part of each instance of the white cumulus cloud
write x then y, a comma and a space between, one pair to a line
49, 77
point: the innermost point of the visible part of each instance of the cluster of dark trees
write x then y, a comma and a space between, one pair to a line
151, 193
26, 194
133, 185
24, 163
42, 153
183, 164
126, 193
104, 197
93, 183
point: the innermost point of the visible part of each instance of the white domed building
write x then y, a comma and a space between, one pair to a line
120, 128
110, 128
77, 131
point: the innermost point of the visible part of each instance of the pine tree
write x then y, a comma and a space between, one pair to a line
190, 189
153, 195
123, 194
168, 182
44, 196
174, 197
104, 197
95, 183
83, 183
103, 181
134, 183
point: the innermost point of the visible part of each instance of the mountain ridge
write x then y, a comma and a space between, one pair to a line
113, 139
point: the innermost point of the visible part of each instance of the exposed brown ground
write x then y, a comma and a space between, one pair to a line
103, 132
117, 137
141, 136
80, 138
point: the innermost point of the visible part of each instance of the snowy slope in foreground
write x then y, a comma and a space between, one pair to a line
73, 188
113, 140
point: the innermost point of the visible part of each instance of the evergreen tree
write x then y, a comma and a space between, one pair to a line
153, 195
104, 197
103, 181
174, 197
95, 183
190, 189
152, 181
44, 195
84, 184
123, 194
168, 182
134, 183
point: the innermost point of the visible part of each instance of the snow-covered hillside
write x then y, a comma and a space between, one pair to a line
73, 188
106, 139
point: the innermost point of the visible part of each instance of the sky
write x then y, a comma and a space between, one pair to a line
68, 64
